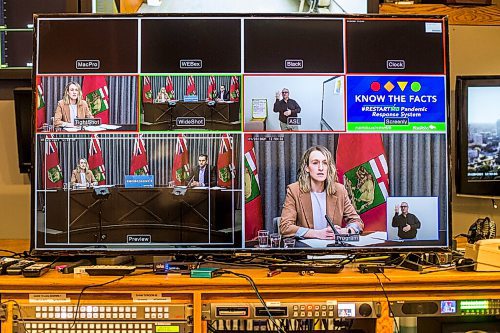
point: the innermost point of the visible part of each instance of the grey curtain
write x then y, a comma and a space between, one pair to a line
122, 96
417, 167
118, 148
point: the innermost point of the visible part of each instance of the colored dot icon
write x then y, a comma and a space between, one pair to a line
416, 86
375, 86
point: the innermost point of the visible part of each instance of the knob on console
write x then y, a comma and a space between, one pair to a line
365, 310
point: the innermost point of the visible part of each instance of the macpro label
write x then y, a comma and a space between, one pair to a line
88, 64
138, 239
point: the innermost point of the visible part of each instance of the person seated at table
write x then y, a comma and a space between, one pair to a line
162, 96
71, 107
317, 193
222, 94
82, 176
204, 174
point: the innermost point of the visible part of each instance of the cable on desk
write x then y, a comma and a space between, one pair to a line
77, 310
14, 253
259, 296
388, 302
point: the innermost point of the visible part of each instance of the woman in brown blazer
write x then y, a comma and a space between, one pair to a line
82, 176
71, 106
317, 193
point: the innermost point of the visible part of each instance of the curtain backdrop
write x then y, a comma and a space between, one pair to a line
180, 84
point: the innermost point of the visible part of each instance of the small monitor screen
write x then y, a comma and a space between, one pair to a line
448, 306
346, 310
254, 133
478, 140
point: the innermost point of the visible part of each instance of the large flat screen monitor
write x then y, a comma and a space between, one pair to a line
259, 133
478, 137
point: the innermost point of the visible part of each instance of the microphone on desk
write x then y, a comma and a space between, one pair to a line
330, 223
190, 182
336, 232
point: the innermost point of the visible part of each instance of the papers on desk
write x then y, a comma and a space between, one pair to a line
102, 127
109, 126
370, 239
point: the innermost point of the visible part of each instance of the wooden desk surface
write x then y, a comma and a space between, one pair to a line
399, 283
396, 281
457, 15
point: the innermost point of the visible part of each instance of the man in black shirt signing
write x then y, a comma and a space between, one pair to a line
406, 223
286, 107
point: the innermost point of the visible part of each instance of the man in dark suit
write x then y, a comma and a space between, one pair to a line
204, 174
222, 94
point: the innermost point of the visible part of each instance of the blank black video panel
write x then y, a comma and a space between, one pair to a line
317, 42
113, 42
19, 13
18, 48
166, 42
372, 43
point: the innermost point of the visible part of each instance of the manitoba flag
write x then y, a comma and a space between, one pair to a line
95, 92
362, 167
169, 87
139, 163
234, 91
96, 162
147, 95
225, 166
191, 86
40, 104
253, 200
212, 89
50, 165
180, 170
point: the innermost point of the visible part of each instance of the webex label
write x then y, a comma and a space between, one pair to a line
191, 64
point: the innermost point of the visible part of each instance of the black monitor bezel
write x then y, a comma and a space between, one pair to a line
99, 251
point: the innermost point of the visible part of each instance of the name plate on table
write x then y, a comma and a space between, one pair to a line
190, 98
348, 238
139, 181
88, 122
